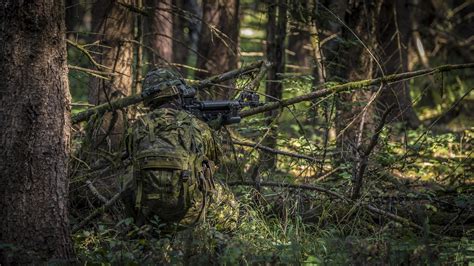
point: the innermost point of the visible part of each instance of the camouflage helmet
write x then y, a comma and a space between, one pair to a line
164, 78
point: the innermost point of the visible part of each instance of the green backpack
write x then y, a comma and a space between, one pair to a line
173, 156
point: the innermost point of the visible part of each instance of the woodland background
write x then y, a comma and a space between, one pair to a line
376, 172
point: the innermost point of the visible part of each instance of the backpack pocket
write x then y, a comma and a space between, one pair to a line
165, 185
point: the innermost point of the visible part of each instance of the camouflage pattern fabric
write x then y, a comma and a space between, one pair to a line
156, 77
172, 174
223, 211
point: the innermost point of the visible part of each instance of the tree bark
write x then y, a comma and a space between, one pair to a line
218, 42
394, 31
34, 133
113, 24
356, 112
276, 34
333, 27
74, 17
160, 32
299, 36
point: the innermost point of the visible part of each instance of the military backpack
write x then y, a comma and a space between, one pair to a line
173, 156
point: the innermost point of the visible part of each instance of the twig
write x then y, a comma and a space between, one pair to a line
134, 9
82, 105
95, 73
446, 227
324, 175
95, 192
275, 151
364, 157
98, 211
87, 54
285, 185
256, 81
228, 75
367, 206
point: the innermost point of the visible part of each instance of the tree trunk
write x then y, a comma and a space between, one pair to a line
218, 42
332, 61
74, 17
394, 31
34, 133
356, 116
300, 54
138, 50
159, 35
276, 33
114, 25
181, 40
299, 43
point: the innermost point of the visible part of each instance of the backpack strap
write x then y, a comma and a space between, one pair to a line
205, 179
139, 184
151, 128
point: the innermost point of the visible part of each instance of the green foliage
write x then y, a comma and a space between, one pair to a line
423, 174
264, 237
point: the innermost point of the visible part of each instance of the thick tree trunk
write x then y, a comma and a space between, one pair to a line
356, 116
113, 24
159, 34
332, 47
276, 34
394, 31
218, 42
34, 133
183, 30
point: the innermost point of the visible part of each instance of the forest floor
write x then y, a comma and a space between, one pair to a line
424, 176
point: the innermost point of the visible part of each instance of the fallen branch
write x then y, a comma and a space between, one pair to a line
350, 86
95, 192
363, 156
284, 185
275, 151
367, 206
134, 99
98, 211
356, 85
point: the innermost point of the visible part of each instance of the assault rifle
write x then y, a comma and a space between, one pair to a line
137, 98
226, 111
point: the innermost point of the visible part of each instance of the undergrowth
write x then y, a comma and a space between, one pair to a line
264, 237
293, 226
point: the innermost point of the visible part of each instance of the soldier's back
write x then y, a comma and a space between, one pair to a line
174, 156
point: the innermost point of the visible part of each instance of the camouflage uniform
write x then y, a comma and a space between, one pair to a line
173, 163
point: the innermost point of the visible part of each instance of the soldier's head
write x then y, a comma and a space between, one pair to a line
166, 85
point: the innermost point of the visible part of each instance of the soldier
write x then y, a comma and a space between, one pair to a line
174, 156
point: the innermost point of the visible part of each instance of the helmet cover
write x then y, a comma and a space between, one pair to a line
159, 77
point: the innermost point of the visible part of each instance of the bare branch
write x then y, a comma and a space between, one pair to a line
363, 158
275, 151
367, 206
95, 192
134, 99
352, 86
86, 52
98, 211
356, 85
95, 73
